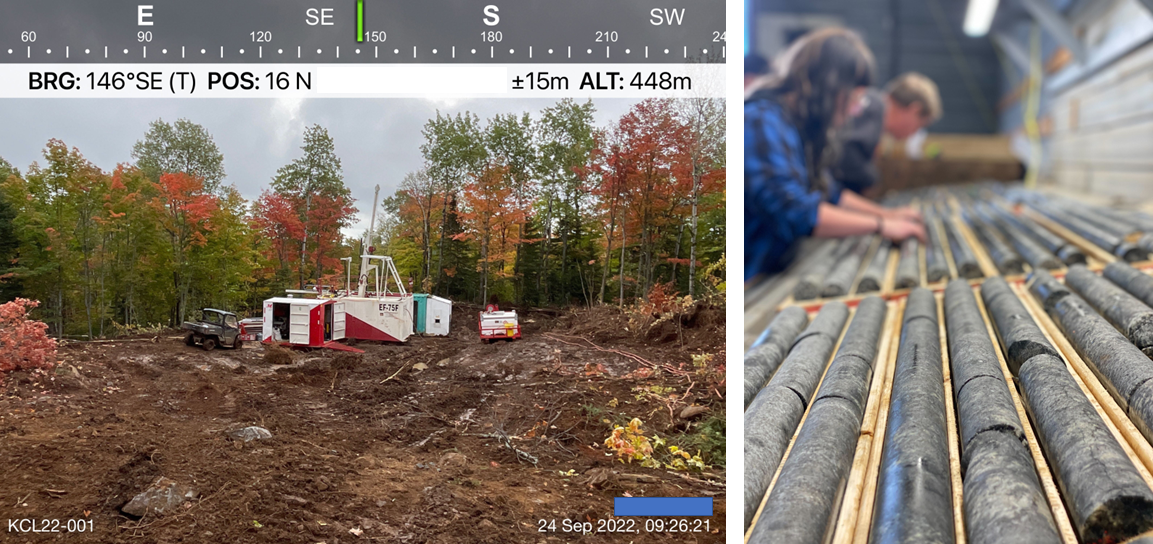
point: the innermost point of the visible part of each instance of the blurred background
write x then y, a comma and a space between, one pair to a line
1056, 92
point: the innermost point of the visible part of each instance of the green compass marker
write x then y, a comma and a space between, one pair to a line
359, 20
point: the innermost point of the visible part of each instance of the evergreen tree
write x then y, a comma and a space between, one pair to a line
453, 148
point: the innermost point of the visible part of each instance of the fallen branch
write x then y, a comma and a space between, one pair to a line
426, 439
697, 480
117, 341
394, 374
314, 445
521, 455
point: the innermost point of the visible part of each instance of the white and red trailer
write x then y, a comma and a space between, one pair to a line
384, 319
385, 313
305, 322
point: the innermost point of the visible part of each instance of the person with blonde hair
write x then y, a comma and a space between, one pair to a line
908, 104
790, 118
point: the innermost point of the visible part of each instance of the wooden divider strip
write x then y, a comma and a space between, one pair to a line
850, 506
869, 486
1127, 435
1056, 505
887, 283
804, 416
988, 267
923, 262
951, 426
789, 301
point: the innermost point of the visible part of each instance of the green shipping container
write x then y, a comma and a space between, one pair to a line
420, 301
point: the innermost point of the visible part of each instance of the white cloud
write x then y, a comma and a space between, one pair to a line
287, 125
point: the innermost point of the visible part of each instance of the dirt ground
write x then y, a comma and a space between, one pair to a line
436, 440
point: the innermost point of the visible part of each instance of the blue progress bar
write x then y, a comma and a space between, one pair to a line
662, 506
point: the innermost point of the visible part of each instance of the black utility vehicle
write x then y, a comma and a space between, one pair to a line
215, 328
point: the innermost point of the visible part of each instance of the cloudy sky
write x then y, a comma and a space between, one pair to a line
377, 140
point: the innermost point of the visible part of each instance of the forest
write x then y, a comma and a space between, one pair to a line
543, 208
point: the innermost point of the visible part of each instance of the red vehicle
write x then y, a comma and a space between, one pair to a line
498, 325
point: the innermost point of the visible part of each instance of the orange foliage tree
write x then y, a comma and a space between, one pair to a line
129, 225
493, 217
276, 221
643, 169
185, 215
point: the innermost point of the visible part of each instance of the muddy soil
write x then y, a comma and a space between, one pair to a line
436, 440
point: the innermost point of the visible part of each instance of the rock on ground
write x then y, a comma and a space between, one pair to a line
160, 497
249, 434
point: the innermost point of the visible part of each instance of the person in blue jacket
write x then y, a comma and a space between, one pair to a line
789, 119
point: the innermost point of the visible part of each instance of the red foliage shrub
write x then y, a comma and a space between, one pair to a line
24, 343
662, 297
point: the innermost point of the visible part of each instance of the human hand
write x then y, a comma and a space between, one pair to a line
898, 229
905, 212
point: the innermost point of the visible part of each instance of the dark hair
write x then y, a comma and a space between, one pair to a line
756, 64
820, 70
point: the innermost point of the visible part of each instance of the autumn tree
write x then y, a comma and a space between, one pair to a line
327, 216
24, 343
277, 222
185, 211
222, 268
314, 186
134, 250
180, 147
419, 196
637, 203
491, 216
509, 139
530, 207
611, 168
122, 250
55, 205
651, 138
